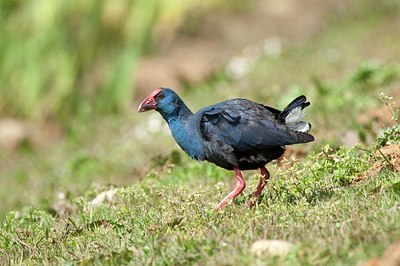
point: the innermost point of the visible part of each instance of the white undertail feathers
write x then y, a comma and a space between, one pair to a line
293, 120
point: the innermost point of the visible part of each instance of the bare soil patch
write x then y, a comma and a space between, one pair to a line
388, 157
391, 257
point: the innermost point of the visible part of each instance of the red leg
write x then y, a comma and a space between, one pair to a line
263, 180
261, 184
240, 185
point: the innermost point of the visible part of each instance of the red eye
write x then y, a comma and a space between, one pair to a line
160, 96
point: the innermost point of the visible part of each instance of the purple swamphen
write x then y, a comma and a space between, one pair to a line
236, 134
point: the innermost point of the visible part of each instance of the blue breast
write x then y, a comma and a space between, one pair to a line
187, 135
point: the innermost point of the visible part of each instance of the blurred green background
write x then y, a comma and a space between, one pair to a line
73, 72
65, 58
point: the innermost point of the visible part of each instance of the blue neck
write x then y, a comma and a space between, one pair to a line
185, 132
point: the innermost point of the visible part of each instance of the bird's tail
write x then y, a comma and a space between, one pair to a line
293, 114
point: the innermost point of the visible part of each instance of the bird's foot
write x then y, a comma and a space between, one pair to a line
220, 205
253, 201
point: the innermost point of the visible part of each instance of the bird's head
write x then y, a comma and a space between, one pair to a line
163, 100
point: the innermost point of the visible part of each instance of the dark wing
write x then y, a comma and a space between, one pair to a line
245, 126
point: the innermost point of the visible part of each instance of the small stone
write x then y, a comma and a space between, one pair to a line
270, 248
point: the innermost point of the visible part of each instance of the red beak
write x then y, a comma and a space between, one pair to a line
149, 103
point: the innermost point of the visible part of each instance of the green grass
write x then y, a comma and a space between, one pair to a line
310, 204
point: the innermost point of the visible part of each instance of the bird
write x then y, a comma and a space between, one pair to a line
236, 134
